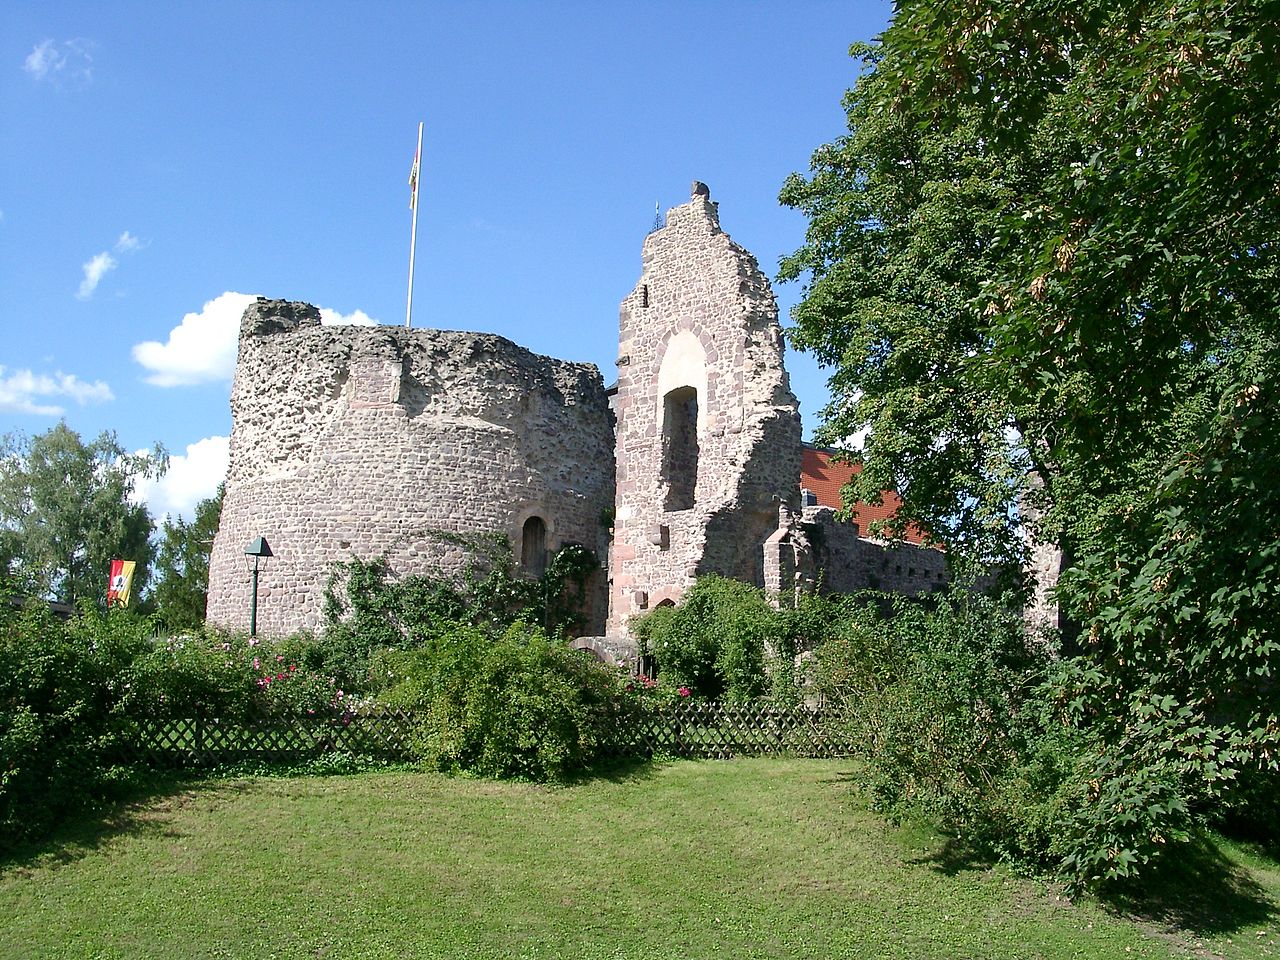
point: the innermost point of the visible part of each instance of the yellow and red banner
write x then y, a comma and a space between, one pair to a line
121, 583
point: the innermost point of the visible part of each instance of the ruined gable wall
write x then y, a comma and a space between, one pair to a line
697, 287
353, 440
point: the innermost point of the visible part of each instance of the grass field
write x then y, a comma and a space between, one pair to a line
738, 859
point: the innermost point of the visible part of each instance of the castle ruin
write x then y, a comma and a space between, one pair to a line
358, 441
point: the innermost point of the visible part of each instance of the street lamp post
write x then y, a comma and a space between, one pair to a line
256, 554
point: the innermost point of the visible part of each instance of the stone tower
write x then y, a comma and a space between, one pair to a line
360, 441
708, 431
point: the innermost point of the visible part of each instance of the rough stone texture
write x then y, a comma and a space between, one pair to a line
352, 441
840, 560
702, 318
1044, 566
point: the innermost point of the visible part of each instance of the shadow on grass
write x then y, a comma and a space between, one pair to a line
620, 770
853, 777
1196, 889
955, 857
129, 810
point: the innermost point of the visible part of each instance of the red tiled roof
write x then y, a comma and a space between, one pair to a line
824, 477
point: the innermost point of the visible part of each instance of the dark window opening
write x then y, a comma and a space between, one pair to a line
644, 295
533, 547
680, 447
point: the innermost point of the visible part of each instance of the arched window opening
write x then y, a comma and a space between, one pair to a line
533, 547
680, 447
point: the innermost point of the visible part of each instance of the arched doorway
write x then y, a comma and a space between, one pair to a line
533, 547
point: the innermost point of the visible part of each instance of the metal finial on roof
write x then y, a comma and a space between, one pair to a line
658, 222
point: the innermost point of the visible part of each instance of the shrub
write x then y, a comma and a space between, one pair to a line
518, 705
367, 608
1045, 764
718, 641
936, 698
58, 685
188, 675
230, 675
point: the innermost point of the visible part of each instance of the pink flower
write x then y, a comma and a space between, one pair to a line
279, 658
683, 691
293, 667
279, 676
257, 665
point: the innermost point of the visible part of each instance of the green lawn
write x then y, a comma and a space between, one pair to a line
738, 859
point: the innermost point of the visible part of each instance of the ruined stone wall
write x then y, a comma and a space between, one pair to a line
842, 561
702, 320
352, 441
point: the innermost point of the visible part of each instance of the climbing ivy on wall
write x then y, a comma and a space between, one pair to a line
367, 606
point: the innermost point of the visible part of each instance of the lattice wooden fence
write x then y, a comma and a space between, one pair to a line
691, 729
714, 730
205, 741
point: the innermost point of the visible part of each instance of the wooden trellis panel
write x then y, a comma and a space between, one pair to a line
688, 729
713, 730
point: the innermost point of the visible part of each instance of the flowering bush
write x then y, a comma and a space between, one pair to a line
648, 692
284, 688
214, 673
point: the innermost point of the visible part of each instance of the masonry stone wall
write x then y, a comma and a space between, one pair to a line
355, 441
840, 560
702, 399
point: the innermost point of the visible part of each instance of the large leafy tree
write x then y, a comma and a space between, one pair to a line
182, 565
1042, 264
66, 512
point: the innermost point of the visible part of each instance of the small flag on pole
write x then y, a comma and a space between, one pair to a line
413, 179
413, 232
121, 583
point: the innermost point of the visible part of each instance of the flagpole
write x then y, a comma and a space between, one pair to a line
413, 233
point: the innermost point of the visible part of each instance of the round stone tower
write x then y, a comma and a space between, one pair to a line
359, 441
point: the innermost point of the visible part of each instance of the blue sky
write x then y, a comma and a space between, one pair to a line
158, 159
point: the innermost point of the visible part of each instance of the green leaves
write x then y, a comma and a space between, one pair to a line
66, 512
182, 565
1048, 242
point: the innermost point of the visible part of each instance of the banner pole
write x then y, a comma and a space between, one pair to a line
413, 233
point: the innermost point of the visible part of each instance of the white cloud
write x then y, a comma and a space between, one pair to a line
43, 60
332, 318
191, 477
20, 390
52, 61
103, 263
97, 268
128, 243
202, 348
